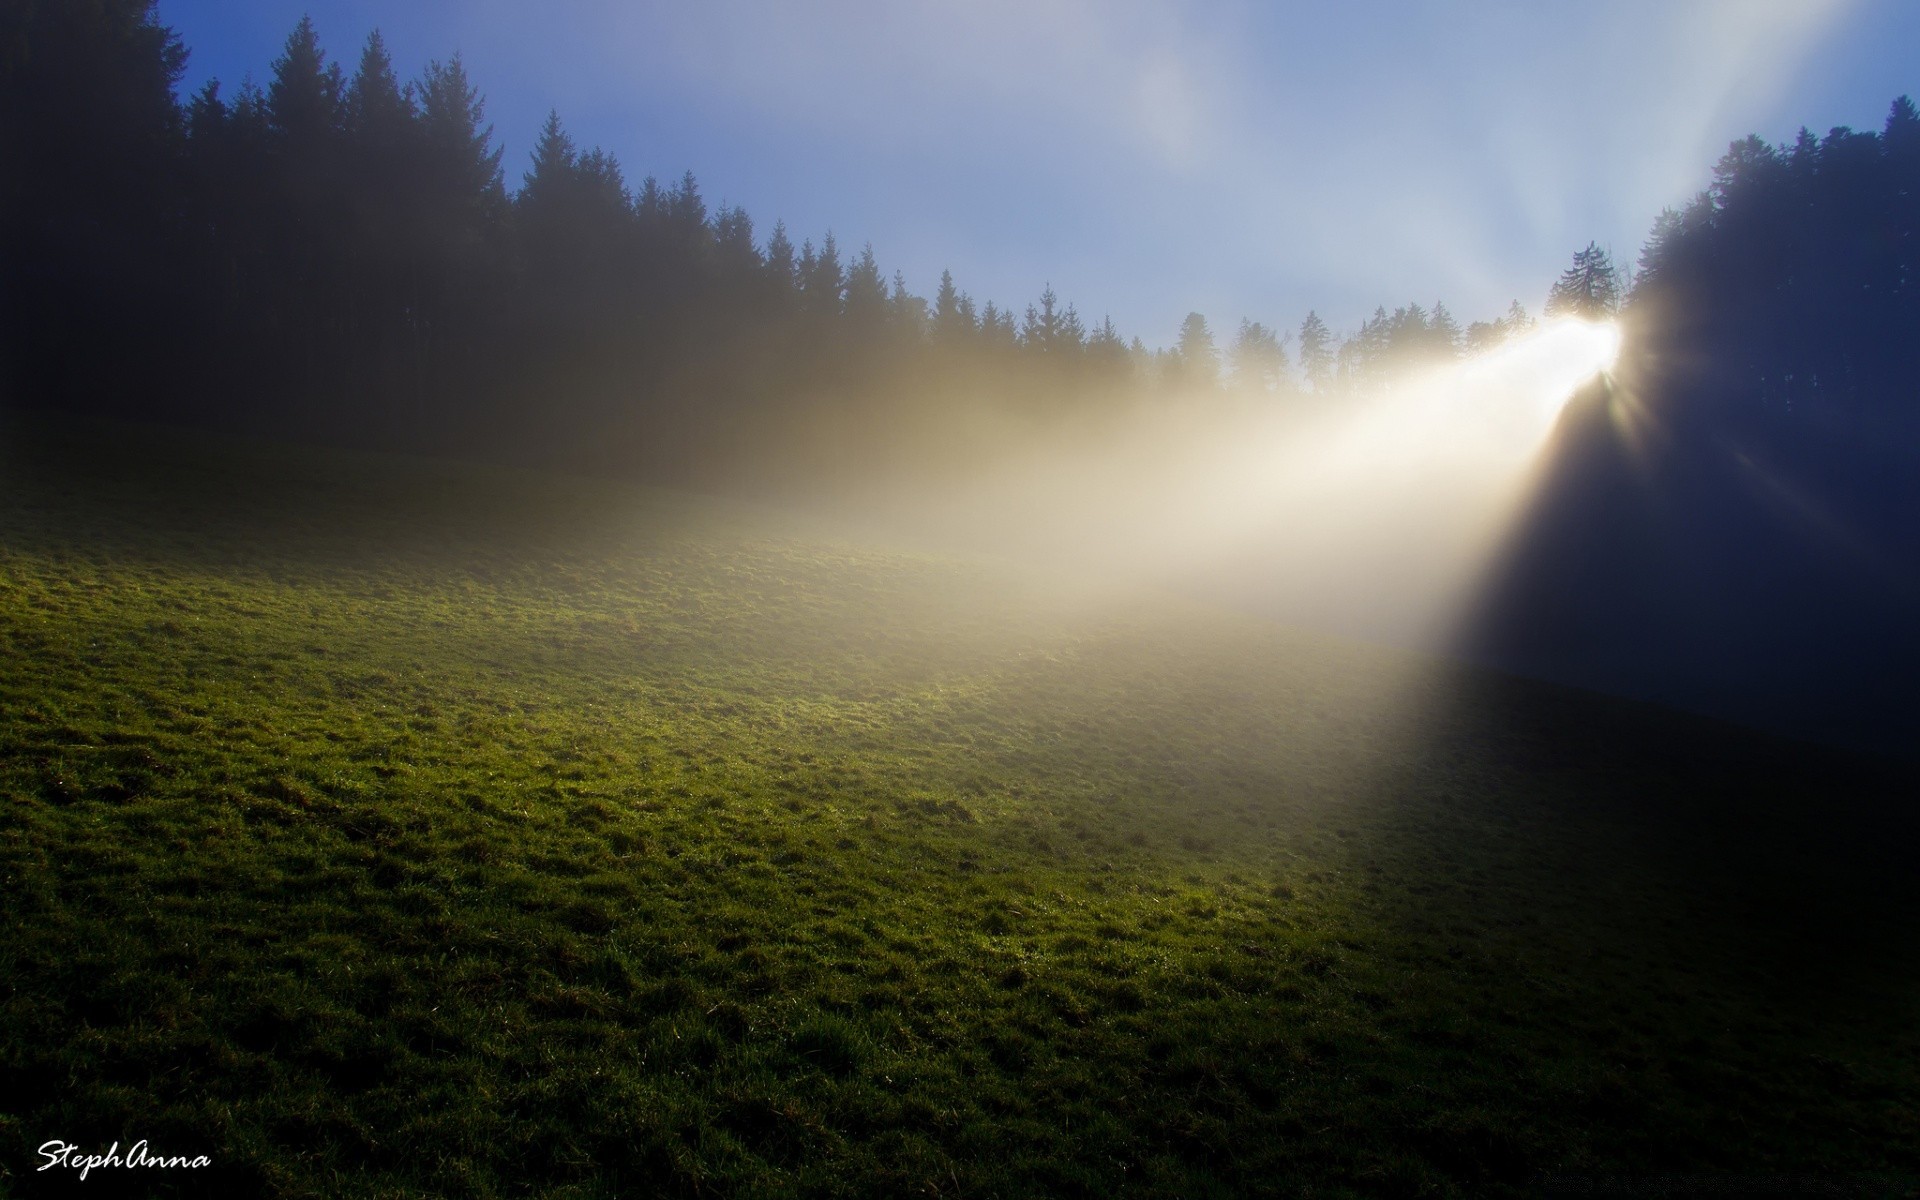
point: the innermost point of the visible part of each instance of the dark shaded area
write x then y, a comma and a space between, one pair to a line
1691, 567
338, 256
1733, 525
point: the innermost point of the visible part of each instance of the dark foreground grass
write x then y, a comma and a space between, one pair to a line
383, 828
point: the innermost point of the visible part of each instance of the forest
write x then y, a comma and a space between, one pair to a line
347, 255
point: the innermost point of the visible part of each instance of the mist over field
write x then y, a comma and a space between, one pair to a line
518, 679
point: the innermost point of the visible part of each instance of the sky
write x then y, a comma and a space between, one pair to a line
1239, 159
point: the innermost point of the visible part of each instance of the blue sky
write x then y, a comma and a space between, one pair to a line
1239, 159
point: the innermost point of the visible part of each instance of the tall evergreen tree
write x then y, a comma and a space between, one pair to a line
1444, 336
951, 323
1257, 360
906, 312
1107, 353
1073, 332
997, 329
1590, 288
821, 277
577, 231
1044, 330
781, 268
464, 205
304, 101
306, 115
462, 163
866, 294
1316, 352
464, 200
686, 217
385, 191
379, 113
733, 243
1363, 357
1196, 361
546, 184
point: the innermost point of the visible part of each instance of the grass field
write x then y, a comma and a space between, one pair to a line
380, 827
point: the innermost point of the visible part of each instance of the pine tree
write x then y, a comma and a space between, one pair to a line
386, 232
686, 215
1316, 352
1258, 360
1443, 333
379, 113
462, 227
311, 239
1363, 356
1659, 250
951, 323
1072, 337
1482, 336
733, 241
577, 229
551, 175
906, 312
1590, 288
821, 280
304, 99
1408, 336
650, 206
1044, 329
866, 292
462, 162
605, 205
997, 328
781, 268
1196, 361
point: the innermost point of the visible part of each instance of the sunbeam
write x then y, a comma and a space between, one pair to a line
1370, 514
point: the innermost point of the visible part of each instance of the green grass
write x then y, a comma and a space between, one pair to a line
381, 827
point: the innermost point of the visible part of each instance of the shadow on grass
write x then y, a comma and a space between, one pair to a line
349, 828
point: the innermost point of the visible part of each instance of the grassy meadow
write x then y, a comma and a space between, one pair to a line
381, 827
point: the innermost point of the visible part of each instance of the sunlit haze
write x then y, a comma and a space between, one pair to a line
1240, 160
1373, 515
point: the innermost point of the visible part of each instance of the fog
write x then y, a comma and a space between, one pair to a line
1371, 515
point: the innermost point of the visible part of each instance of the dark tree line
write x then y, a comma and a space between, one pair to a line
1780, 309
1789, 290
344, 253
340, 253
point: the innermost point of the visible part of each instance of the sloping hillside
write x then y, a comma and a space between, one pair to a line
380, 826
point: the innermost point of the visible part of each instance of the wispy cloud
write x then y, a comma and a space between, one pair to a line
1127, 75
